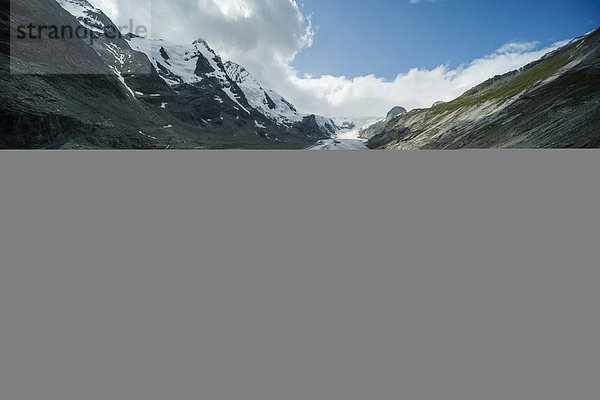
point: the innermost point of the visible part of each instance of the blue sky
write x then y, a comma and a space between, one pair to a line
361, 58
386, 37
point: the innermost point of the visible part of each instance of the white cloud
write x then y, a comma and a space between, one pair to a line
108, 6
418, 88
266, 35
517, 47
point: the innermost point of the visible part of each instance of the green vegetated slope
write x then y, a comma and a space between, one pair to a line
551, 103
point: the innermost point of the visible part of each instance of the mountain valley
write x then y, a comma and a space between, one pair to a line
123, 91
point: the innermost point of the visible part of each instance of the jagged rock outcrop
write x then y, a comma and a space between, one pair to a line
374, 129
394, 112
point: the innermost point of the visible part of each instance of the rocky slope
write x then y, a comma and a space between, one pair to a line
551, 103
125, 91
379, 125
47, 108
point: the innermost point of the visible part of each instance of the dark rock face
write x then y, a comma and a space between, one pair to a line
394, 112
270, 102
347, 125
378, 127
164, 54
438, 103
126, 105
35, 131
203, 66
310, 128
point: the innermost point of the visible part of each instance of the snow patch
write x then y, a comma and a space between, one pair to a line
232, 96
180, 66
122, 80
115, 51
85, 13
148, 136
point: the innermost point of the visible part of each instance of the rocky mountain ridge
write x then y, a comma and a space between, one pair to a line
553, 102
133, 92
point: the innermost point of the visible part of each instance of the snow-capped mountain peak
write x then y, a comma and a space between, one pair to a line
204, 43
273, 105
197, 71
268, 102
239, 73
89, 16
181, 64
